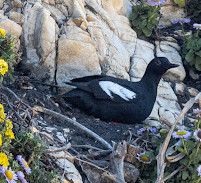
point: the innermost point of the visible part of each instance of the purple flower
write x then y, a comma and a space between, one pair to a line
155, 2
197, 134
197, 26
199, 170
181, 134
142, 157
21, 176
24, 164
181, 21
197, 112
10, 175
146, 129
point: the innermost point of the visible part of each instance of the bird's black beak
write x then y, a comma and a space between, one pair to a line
173, 65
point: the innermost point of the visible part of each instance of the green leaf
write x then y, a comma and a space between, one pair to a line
180, 149
181, 3
150, 26
143, 24
190, 144
198, 53
147, 32
133, 16
136, 22
185, 175
183, 162
198, 63
154, 21
189, 56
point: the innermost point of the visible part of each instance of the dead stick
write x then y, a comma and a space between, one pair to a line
117, 161
161, 156
173, 173
64, 148
75, 123
167, 123
88, 147
13, 93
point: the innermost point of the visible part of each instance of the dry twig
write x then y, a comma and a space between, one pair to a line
64, 148
117, 161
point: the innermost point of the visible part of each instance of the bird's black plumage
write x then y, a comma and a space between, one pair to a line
119, 100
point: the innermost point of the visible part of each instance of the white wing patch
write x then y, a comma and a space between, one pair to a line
109, 87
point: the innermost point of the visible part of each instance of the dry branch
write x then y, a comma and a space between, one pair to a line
161, 156
167, 123
117, 161
73, 122
68, 146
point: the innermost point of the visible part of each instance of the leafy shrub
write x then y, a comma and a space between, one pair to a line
32, 148
144, 19
190, 147
191, 51
16, 149
194, 10
7, 45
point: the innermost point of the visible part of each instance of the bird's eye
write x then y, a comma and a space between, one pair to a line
158, 62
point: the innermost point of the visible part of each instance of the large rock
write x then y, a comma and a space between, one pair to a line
166, 105
11, 27
16, 17
169, 11
129, 39
40, 41
77, 55
114, 46
140, 60
58, 16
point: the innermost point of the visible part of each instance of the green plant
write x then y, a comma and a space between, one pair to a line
191, 49
194, 9
180, 3
192, 159
189, 166
144, 18
14, 149
32, 148
7, 45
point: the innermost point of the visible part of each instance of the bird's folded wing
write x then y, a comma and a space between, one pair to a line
88, 78
109, 90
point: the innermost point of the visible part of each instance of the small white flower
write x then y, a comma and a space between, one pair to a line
197, 134
181, 134
142, 157
199, 170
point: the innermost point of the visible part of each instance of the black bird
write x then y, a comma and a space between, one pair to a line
119, 100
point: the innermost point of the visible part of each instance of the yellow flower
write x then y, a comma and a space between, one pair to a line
9, 133
3, 67
1, 108
9, 124
2, 115
0, 140
2, 33
4, 159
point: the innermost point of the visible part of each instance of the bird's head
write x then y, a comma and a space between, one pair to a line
160, 65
